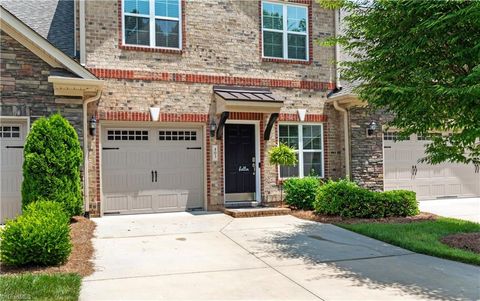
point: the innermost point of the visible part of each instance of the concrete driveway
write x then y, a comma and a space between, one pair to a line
181, 256
467, 209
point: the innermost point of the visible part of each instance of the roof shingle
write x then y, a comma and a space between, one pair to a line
52, 19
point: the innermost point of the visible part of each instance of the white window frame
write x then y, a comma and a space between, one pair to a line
300, 150
152, 19
285, 32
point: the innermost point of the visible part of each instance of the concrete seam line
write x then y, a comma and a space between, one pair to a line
153, 235
228, 224
366, 258
273, 268
175, 274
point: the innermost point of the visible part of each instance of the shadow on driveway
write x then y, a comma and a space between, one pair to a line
365, 262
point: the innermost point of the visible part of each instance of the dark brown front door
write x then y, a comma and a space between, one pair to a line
240, 162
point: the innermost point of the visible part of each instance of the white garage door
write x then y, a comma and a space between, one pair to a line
12, 137
402, 171
152, 170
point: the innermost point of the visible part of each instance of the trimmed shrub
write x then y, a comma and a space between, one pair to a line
400, 203
41, 236
347, 199
300, 193
51, 169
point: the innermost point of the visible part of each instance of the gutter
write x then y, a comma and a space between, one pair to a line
86, 179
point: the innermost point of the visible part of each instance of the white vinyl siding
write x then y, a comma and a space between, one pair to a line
152, 23
285, 31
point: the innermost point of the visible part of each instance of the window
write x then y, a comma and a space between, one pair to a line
428, 136
284, 31
177, 135
127, 135
9, 132
394, 136
307, 140
152, 23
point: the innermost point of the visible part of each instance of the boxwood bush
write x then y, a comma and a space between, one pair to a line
51, 169
41, 236
347, 199
300, 192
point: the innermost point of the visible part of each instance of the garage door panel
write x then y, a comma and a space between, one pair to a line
142, 202
115, 159
429, 181
116, 203
178, 163
12, 138
138, 159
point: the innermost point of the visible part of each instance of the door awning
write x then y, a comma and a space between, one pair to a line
245, 99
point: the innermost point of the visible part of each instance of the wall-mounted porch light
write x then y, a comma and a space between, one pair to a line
212, 126
93, 125
372, 127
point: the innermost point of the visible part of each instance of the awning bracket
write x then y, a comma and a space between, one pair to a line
268, 128
221, 124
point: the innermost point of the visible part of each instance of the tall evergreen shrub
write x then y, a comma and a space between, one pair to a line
51, 169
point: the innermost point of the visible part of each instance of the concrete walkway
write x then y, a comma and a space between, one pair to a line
466, 209
181, 256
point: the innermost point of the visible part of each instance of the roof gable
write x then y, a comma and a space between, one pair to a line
39, 45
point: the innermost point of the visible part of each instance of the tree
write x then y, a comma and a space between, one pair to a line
419, 61
51, 169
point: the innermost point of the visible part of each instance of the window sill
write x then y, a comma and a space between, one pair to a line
151, 49
285, 61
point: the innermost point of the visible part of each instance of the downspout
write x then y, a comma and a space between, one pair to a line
82, 32
86, 193
346, 134
337, 107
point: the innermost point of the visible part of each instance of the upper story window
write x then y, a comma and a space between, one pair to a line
152, 23
285, 31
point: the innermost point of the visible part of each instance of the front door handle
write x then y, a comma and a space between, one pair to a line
155, 176
152, 176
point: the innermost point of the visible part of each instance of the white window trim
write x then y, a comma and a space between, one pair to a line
152, 19
301, 150
285, 32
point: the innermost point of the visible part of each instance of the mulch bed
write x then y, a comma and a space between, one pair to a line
310, 215
79, 262
465, 241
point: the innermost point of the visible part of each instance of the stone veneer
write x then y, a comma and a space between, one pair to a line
25, 88
366, 152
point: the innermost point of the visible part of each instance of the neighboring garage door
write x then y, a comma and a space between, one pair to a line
12, 137
152, 169
402, 171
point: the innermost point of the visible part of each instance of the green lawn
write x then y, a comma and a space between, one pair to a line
422, 237
40, 287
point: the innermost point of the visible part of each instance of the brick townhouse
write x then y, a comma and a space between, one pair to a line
197, 92
189, 97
